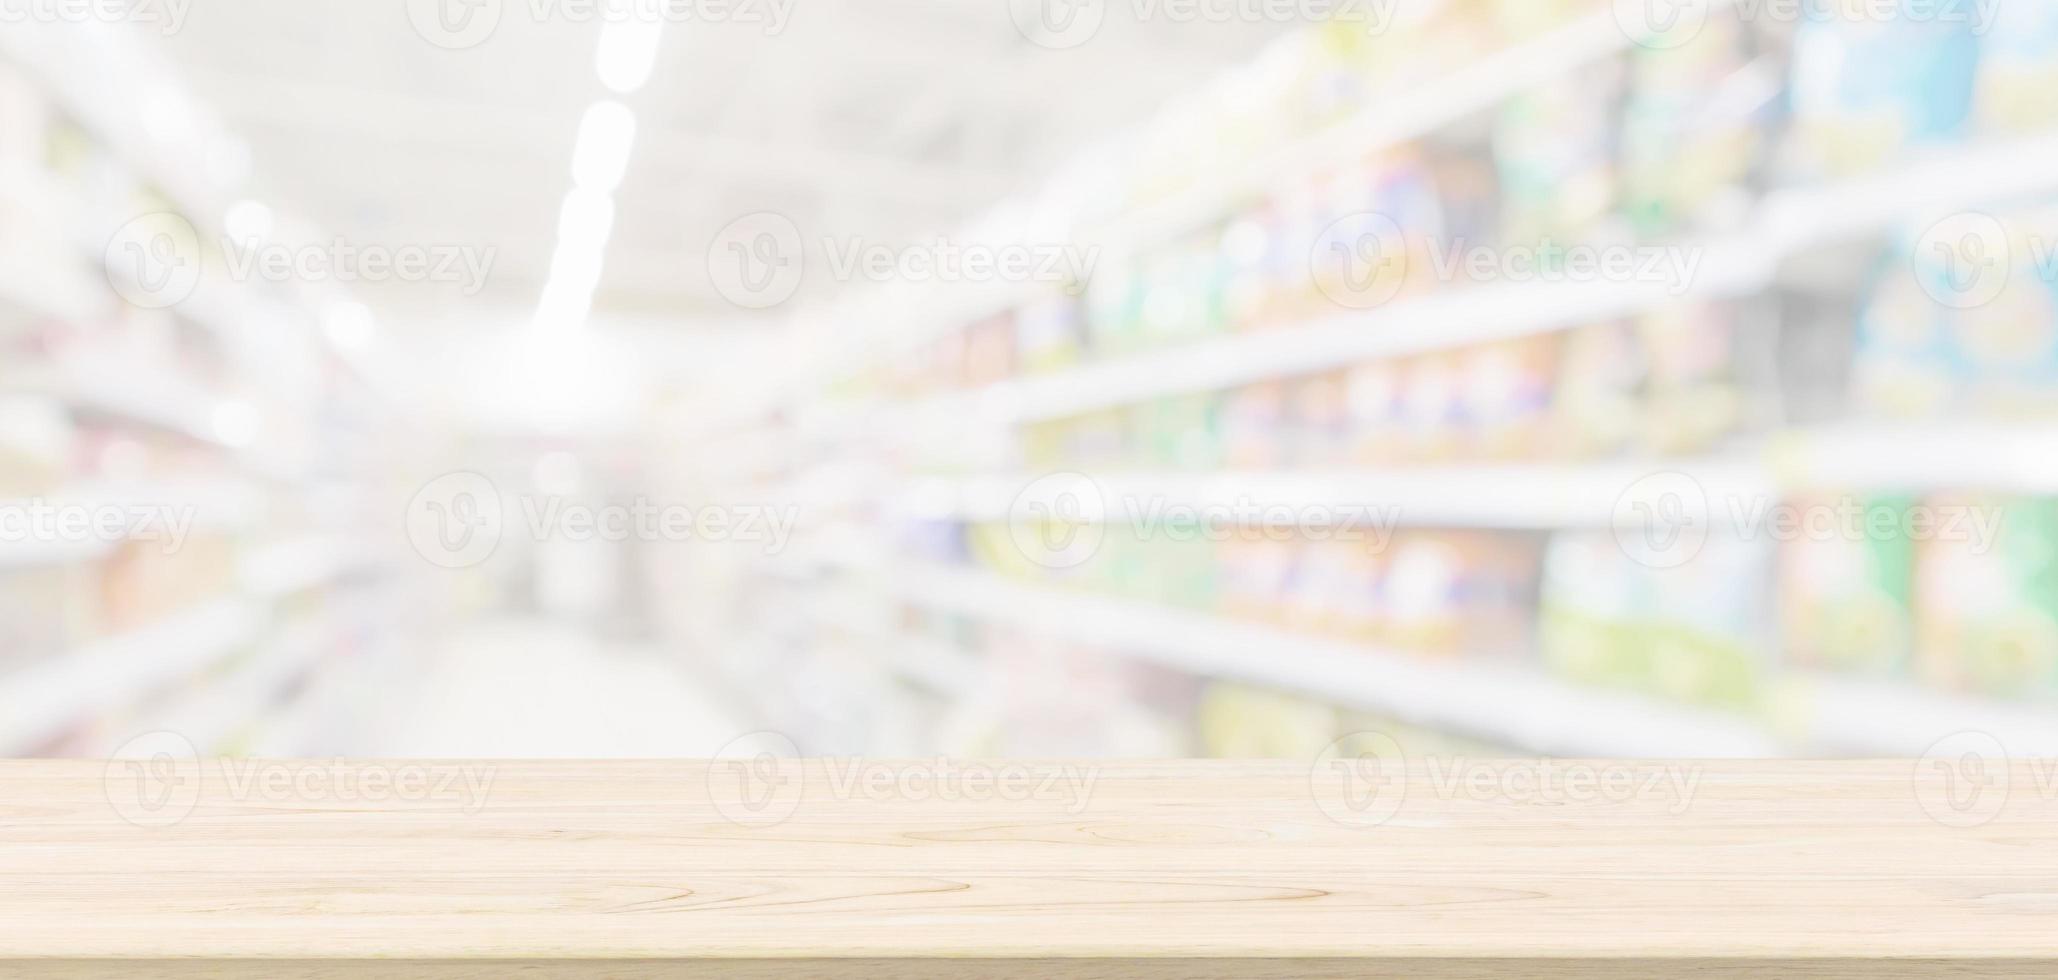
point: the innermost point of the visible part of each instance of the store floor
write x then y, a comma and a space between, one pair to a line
514, 689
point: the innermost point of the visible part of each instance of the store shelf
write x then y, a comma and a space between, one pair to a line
1788, 224
298, 565
97, 75
214, 715
39, 702
1483, 698
1899, 718
1942, 182
1448, 319
924, 661
1432, 105
1990, 457
39, 554
1857, 457
1511, 496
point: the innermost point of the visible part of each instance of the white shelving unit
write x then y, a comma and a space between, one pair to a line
37, 554
40, 702
1506, 703
1788, 224
1538, 496
1513, 704
2000, 458
1544, 496
1422, 110
299, 564
217, 712
1902, 719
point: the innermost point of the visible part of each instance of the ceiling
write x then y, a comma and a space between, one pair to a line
876, 121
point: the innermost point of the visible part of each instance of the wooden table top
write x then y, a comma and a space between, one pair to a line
1944, 866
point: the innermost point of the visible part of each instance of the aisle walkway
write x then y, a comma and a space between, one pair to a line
517, 689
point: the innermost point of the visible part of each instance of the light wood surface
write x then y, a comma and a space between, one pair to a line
1458, 869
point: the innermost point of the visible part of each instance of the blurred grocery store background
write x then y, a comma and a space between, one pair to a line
1035, 378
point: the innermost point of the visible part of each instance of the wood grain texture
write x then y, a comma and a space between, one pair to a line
663, 869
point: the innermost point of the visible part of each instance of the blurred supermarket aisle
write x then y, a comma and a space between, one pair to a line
513, 689
1494, 375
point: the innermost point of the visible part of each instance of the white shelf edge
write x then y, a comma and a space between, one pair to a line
1509, 496
1424, 109
15, 555
1903, 719
39, 702
1787, 223
1419, 111
297, 565
1516, 705
208, 717
1914, 456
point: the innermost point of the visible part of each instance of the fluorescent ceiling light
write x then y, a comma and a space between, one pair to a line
568, 293
628, 51
585, 220
606, 135
576, 268
563, 305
